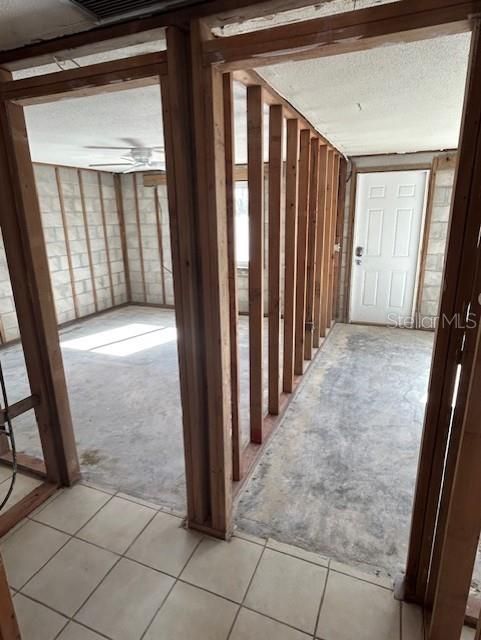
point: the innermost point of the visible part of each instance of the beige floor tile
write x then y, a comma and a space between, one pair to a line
28, 549
297, 552
46, 503
251, 625
381, 581
92, 485
250, 538
13, 530
22, 487
116, 525
71, 576
5, 474
467, 634
190, 613
126, 601
72, 508
164, 544
74, 631
223, 567
287, 589
145, 503
356, 609
412, 622
35, 621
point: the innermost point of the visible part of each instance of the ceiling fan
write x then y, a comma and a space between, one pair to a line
137, 156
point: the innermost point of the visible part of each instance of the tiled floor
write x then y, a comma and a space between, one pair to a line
91, 564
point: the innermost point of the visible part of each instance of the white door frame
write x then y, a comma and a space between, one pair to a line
422, 236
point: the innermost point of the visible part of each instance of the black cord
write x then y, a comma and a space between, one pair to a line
10, 435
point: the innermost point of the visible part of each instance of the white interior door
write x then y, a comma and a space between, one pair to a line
387, 233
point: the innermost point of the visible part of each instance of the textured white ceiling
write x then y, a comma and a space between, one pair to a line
59, 132
396, 99
25, 21
391, 99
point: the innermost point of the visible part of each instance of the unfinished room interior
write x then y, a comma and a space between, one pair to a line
240, 294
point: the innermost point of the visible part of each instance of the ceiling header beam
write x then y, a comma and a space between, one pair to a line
83, 81
396, 22
136, 30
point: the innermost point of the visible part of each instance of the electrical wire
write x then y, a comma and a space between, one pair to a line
10, 435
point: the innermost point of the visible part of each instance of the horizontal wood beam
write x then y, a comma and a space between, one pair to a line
136, 30
392, 23
17, 408
61, 84
21, 509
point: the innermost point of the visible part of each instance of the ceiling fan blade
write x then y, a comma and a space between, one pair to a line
133, 143
93, 146
111, 164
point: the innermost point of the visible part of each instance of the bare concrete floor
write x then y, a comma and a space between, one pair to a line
338, 476
123, 382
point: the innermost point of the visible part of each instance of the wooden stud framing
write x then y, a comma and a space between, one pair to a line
210, 162
463, 522
196, 163
290, 252
200, 268
83, 81
333, 248
177, 115
276, 145
229, 134
123, 237
67, 242
357, 30
107, 36
29, 273
340, 214
302, 231
321, 245
139, 235
272, 98
158, 222
255, 171
9, 629
87, 239
458, 276
311, 248
327, 246
106, 238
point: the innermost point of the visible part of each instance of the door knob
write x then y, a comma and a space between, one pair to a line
359, 252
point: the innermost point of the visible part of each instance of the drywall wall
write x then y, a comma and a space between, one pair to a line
435, 232
82, 234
